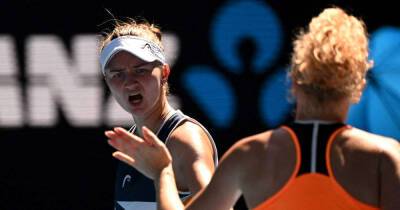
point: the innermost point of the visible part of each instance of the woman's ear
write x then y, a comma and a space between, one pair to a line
165, 72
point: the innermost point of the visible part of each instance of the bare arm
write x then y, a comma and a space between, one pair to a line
220, 194
192, 156
224, 188
390, 176
166, 192
150, 156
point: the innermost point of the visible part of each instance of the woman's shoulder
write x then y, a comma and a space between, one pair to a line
190, 135
358, 138
262, 144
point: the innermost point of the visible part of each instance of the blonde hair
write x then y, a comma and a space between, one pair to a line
330, 59
132, 27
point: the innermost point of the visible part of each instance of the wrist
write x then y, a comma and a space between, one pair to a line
166, 172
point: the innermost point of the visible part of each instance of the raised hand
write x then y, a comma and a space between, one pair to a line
148, 155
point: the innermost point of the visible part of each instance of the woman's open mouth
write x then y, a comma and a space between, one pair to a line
135, 99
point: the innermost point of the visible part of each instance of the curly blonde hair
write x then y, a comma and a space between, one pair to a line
132, 27
330, 58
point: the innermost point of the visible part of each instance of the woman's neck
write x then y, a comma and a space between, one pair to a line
154, 119
332, 112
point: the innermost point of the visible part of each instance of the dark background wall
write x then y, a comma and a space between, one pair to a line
228, 73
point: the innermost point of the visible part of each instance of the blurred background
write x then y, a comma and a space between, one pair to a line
229, 60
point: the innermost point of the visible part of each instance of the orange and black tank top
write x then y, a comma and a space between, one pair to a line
312, 185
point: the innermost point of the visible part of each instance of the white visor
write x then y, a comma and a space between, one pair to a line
142, 48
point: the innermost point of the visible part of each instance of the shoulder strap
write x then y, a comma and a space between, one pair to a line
167, 127
170, 125
297, 146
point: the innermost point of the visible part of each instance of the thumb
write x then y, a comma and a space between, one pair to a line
150, 137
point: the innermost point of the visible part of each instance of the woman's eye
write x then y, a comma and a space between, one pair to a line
116, 75
140, 71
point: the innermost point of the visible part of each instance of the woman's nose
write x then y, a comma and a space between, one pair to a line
131, 81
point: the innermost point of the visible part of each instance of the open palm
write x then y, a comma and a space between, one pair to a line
148, 154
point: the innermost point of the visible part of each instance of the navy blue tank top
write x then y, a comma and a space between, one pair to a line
134, 190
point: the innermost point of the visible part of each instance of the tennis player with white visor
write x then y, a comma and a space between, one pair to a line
135, 69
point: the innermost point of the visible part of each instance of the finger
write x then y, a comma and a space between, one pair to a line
124, 134
114, 140
120, 145
124, 158
114, 144
110, 134
121, 142
150, 137
121, 131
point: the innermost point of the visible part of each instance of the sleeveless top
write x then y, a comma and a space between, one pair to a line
134, 190
312, 185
